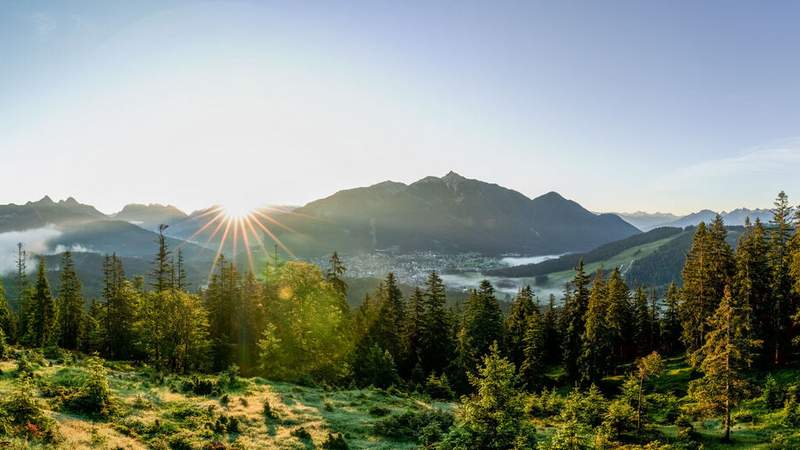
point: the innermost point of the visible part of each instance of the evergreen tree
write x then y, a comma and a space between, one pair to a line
751, 282
494, 417
335, 274
727, 351
222, 300
162, 274
7, 324
251, 321
552, 337
618, 317
436, 343
481, 326
121, 301
516, 324
594, 358
412, 334
70, 304
388, 328
671, 324
93, 338
709, 264
174, 331
576, 302
42, 320
23, 293
534, 351
778, 341
641, 320
180, 281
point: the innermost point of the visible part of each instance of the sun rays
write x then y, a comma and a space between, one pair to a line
241, 228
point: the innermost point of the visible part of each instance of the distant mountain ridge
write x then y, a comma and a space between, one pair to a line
648, 221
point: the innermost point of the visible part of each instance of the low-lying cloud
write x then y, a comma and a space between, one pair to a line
34, 240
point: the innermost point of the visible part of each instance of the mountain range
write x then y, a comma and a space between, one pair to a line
648, 221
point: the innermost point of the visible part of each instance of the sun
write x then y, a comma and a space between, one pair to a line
238, 209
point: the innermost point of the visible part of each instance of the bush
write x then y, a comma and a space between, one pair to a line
587, 409
772, 393
301, 433
94, 396
546, 404
686, 434
378, 411
335, 441
200, 386
791, 412
619, 418
21, 415
743, 416
439, 387
569, 436
268, 412
424, 426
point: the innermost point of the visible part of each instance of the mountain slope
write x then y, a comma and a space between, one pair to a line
45, 212
647, 221
150, 216
449, 214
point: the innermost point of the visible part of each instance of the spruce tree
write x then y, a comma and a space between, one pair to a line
121, 303
180, 281
778, 341
335, 274
42, 320
671, 323
641, 320
6, 316
576, 302
552, 336
436, 343
618, 317
70, 304
534, 351
752, 279
516, 324
162, 274
23, 294
481, 326
596, 340
412, 335
391, 316
726, 353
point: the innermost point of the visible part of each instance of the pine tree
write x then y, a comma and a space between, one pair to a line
596, 340
222, 300
162, 273
70, 304
335, 274
412, 333
671, 324
7, 324
534, 351
23, 293
93, 338
618, 317
641, 320
778, 341
727, 351
251, 321
388, 329
180, 280
552, 337
121, 303
752, 278
708, 266
42, 320
576, 302
481, 326
516, 324
436, 343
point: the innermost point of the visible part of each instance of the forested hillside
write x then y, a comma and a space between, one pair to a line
280, 360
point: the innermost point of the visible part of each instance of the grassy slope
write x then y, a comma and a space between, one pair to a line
154, 412
622, 260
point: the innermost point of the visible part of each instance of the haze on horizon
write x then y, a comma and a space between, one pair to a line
621, 107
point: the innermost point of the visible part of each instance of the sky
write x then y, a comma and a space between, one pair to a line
622, 106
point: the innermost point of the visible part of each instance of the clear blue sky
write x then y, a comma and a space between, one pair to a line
622, 106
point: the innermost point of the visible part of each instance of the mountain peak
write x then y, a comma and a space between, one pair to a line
452, 176
46, 200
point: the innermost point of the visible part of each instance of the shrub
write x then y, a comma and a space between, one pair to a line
686, 434
378, 411
268, 412
335, 441
426, 426
569, 436
791, 412
200, 386
439, 387
545, 404
5, 351
743, 416
587, 409
301, 433
21, 415
94, 396
772, 393
619, 418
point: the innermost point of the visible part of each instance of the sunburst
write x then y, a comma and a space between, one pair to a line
237, 224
